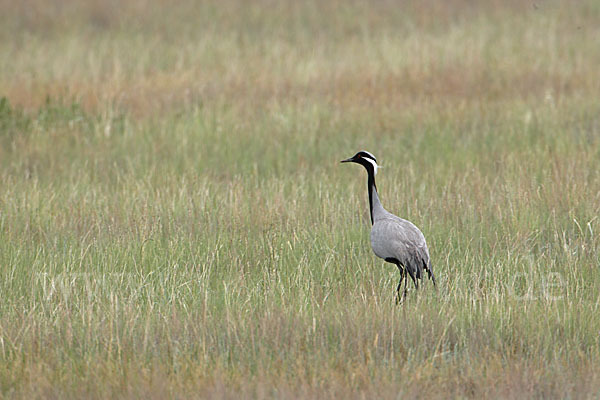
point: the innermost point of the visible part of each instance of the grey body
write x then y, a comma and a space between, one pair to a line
394, 239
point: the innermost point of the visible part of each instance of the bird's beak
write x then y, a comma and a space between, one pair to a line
347, 160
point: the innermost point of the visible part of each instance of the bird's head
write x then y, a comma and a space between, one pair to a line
365, 159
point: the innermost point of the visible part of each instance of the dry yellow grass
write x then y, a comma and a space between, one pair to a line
173, 222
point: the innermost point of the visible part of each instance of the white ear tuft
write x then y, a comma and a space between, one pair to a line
375, 166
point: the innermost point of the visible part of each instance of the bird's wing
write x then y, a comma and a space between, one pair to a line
401, 239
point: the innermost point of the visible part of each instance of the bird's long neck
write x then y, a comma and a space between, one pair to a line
374, 203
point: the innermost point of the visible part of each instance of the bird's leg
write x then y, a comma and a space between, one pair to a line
402, 277
405, 285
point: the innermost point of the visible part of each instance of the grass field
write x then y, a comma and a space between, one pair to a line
174, 220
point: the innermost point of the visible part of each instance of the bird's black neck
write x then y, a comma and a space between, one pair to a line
371, 186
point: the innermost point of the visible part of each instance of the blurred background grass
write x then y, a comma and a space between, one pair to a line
174, 221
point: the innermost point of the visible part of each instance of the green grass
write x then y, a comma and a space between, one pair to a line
174, 220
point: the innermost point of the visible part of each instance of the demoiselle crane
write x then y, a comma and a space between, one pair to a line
394, 239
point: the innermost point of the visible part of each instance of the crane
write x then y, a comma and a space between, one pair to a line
396, 240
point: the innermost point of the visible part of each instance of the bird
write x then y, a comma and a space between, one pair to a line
395, 240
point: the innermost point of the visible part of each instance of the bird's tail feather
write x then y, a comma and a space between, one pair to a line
427, 266
431, 276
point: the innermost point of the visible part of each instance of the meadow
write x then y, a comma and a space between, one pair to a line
175, 223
